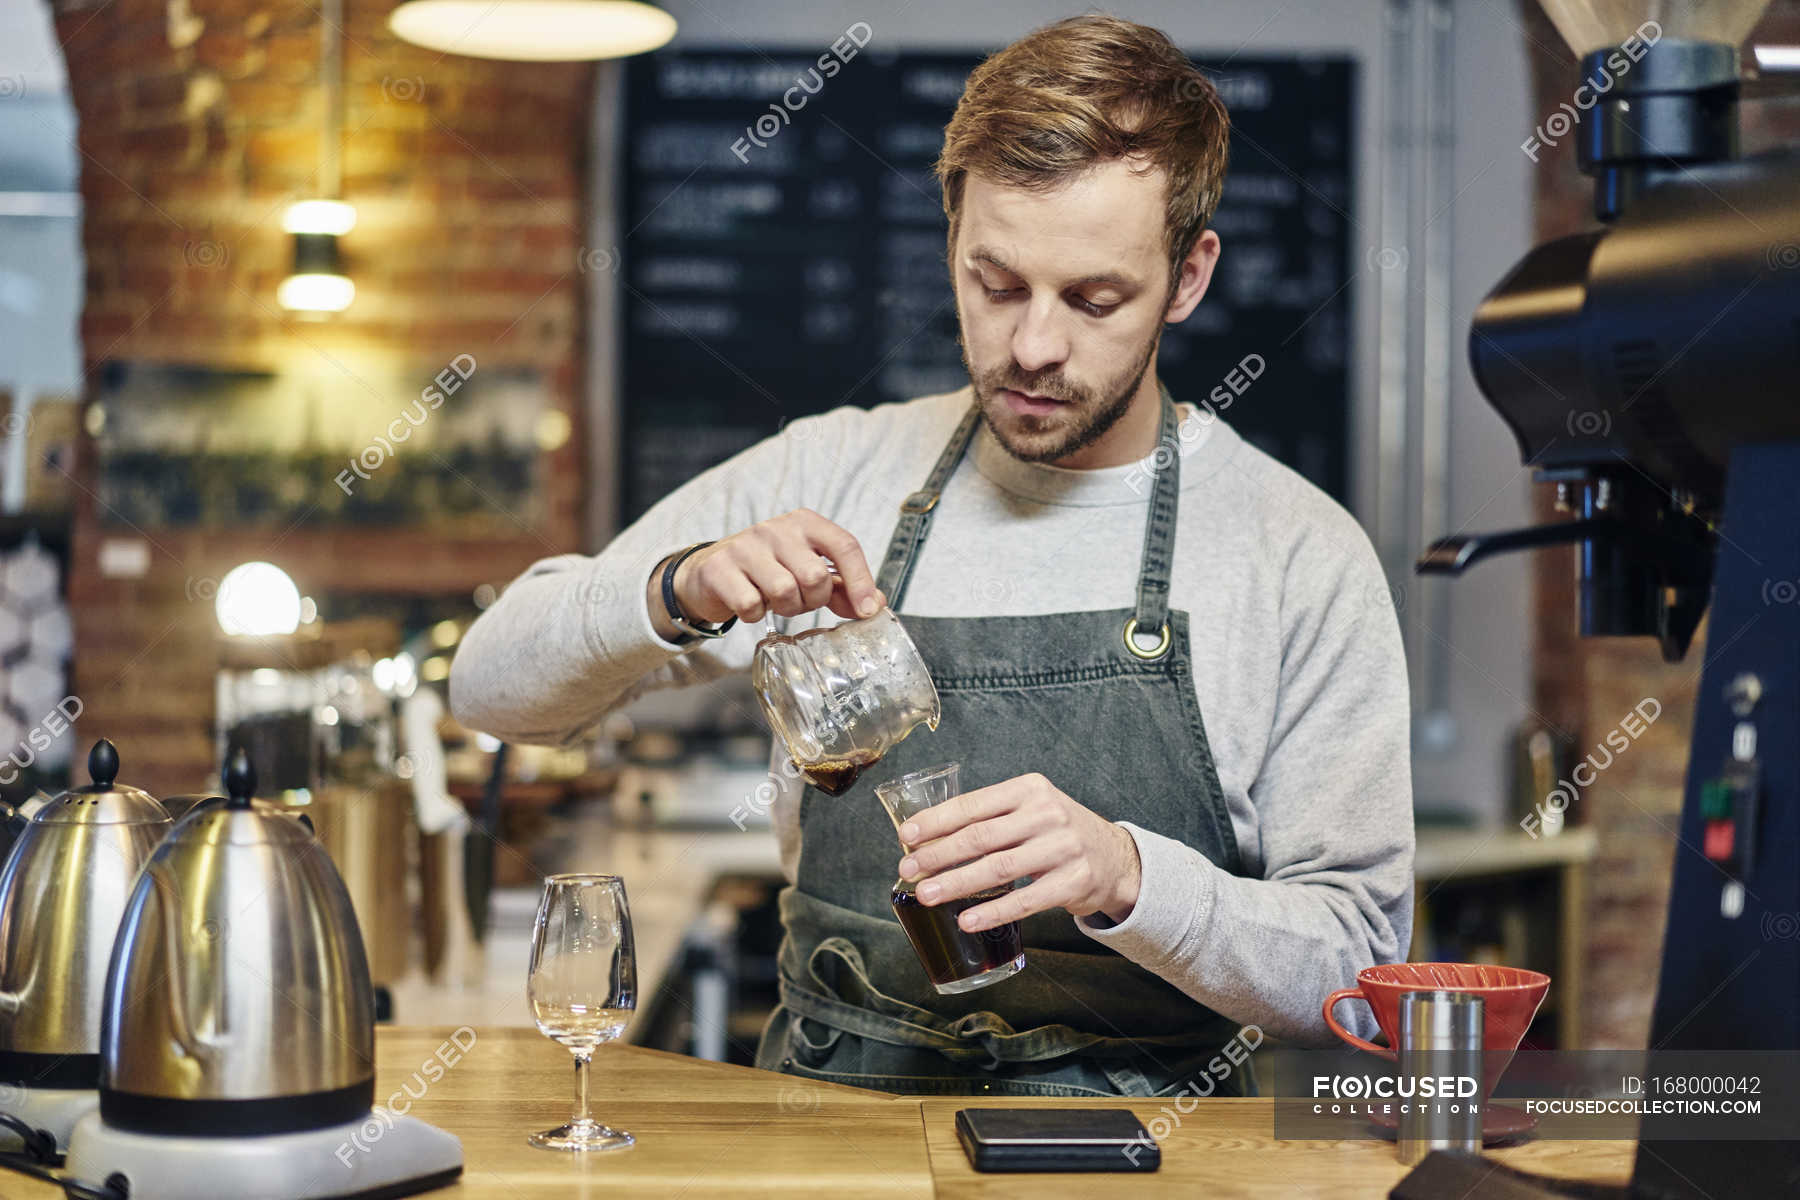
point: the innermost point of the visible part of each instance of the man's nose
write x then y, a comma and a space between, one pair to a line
1039, 340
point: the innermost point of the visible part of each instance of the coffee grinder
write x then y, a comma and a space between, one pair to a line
1647, 368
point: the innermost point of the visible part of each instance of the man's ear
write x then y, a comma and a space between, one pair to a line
1196, 274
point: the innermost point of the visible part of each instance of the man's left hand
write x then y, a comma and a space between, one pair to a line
1023, 826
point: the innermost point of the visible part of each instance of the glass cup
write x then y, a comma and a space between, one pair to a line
583, 988
954, 959
842, 697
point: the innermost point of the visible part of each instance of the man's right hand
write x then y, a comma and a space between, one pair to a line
776, 566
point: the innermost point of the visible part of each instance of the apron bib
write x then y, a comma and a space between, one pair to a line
1110, 719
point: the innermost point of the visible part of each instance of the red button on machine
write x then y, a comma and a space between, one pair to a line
1719, 838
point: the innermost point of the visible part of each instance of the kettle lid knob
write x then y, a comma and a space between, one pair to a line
103, 763
239, 778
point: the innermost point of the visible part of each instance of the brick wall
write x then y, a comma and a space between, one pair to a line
1586, 686
466, 176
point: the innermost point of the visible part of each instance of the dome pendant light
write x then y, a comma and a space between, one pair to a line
534, 30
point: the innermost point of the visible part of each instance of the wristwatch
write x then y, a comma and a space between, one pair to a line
691, 630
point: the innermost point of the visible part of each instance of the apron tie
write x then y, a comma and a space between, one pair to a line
982, 1039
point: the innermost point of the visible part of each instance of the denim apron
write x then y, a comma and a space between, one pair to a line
1110, 719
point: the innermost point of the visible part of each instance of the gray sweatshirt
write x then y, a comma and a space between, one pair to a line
1298, 669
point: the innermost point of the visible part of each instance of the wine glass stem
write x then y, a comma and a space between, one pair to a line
581, 1086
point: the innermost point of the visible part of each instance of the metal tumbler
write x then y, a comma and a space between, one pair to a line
1440, 1049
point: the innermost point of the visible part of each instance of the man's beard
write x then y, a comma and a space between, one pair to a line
1088, 415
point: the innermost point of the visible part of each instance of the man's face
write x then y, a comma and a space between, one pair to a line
1061, 296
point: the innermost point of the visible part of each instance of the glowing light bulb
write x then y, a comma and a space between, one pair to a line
257, 599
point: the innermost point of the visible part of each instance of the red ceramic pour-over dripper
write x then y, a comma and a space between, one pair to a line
1510, 998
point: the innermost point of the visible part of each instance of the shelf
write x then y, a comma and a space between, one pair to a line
1448, 854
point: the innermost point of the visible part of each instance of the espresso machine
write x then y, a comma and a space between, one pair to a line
1648, 368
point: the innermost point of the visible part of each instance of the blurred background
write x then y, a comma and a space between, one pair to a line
313, 337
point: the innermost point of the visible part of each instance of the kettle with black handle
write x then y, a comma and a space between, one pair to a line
64, 888
239, 991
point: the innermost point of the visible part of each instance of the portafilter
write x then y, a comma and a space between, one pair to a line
238, 1000
63, 890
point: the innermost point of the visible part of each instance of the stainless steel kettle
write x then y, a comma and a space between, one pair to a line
63, 889
238, 999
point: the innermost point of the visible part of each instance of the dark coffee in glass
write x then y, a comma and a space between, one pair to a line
954, 959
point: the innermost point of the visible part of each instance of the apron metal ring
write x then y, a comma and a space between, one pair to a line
1161, 648
919, 503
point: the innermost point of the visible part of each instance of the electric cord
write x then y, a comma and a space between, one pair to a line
40, 1155
74, 1189
40, 1144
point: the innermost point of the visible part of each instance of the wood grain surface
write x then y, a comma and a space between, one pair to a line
707, 1129
1226, 1148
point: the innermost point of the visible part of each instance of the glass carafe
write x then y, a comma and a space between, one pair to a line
954, 959
842, 697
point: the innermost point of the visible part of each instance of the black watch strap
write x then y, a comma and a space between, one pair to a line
692, 630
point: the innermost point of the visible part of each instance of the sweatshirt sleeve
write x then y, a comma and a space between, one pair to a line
1333, 800
570, 639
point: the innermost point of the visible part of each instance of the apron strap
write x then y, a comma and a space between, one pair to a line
1150, 617
915, 513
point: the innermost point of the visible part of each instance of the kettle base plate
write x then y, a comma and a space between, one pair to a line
378, 1158
55, 1110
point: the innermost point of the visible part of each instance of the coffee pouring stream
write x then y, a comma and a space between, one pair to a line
63, 890
237, 1026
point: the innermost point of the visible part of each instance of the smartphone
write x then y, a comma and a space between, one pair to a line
1056, 1139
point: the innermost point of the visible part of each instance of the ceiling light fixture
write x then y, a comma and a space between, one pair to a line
534, 30
317, 285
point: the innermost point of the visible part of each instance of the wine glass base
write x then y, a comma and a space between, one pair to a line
590, 1136
1005, 970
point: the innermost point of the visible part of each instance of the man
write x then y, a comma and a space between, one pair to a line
1169, 666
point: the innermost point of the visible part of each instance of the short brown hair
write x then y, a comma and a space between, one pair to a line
1087, 89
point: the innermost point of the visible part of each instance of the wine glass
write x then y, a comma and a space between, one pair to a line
583, 988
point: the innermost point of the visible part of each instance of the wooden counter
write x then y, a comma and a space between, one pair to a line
707, 1129
1224, 1149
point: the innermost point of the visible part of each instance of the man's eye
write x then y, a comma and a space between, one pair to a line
1000, 293
1092, 309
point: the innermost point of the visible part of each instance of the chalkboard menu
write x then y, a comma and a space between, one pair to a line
783, 253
